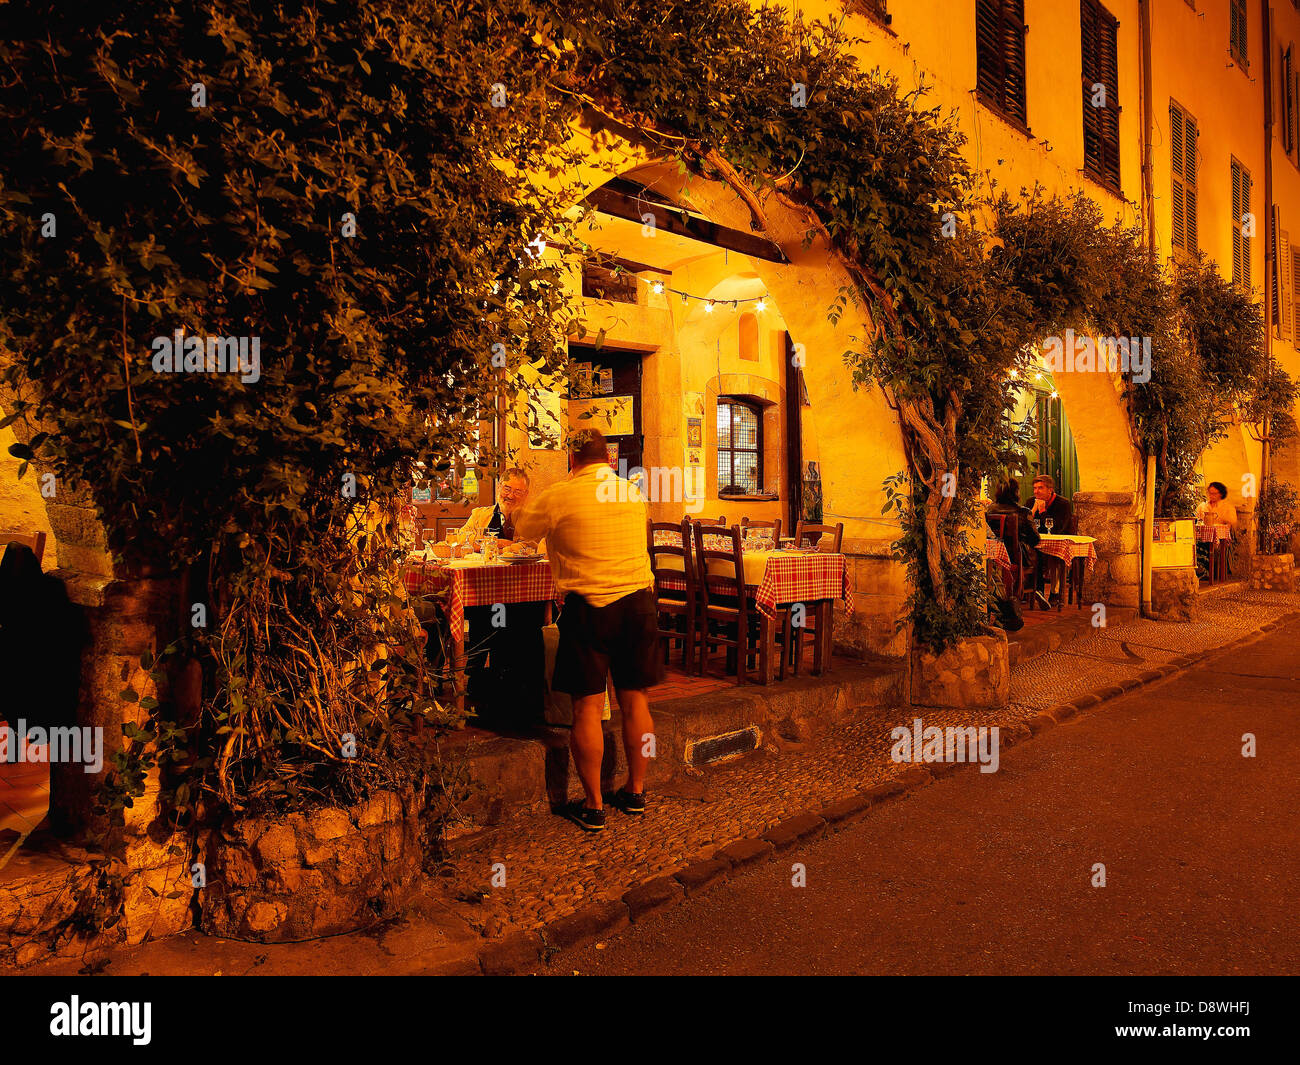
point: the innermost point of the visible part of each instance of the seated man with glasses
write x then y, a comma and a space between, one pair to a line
499, 520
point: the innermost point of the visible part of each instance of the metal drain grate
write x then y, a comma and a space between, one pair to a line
728, 745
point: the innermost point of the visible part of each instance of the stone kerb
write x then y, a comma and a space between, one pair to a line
1111, 518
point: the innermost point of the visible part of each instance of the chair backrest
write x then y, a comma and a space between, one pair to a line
678, 545
36, 541
722, 520
829, 537
746, 524
727, 579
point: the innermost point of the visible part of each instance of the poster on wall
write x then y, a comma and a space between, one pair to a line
422, 495
694, 456
606, 380
545, 420
612, 415
611, 452
695, 433
694, 404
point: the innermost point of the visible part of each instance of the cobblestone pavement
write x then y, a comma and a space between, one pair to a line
551, 868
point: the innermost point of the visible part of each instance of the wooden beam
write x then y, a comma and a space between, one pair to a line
622, 199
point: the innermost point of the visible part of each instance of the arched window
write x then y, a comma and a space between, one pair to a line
740, 447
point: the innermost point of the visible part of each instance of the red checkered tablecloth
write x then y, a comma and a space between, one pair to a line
1213, 534
996, 551
482, 585
789, 577
1067, 549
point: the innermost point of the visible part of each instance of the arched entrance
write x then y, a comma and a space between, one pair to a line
784, 359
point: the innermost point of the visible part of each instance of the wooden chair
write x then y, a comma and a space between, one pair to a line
36, 541
809, 529
746, 524
671, 602
1007, 529
724, 603
829, 539
707, 521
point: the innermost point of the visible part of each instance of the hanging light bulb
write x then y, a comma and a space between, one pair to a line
1038, 376
685, 298
1054, 393
657, 288
708, 307
760, 306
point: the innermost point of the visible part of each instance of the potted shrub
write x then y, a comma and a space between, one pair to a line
1273, 566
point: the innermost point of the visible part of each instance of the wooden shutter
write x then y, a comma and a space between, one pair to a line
1295, 296
1287, 285
1288, 101
1182, 150
1099, 36
1191, 164
1241, 190
1238, 32
1275, 296
1000, 55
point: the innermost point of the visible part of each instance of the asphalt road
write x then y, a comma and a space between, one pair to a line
993, 873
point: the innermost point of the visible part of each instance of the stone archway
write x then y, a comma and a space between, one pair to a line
859, 441
1109, 504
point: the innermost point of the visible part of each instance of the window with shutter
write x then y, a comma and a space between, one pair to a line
1275, 278
1288, 101
1237, 32
1182, 150
1099, 37
1000, 56
1295, 296
1241, 225
1287, 285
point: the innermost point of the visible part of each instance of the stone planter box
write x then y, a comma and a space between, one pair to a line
303, 875
1174, 592
1273, 573
974, 673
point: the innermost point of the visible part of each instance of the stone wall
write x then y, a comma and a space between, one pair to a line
1174, 592
879, 584
973, 674
1112, 519
1273, 573
332, 870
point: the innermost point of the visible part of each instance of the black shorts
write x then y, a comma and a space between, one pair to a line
621, 638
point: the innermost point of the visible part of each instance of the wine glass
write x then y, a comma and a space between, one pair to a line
1048, 522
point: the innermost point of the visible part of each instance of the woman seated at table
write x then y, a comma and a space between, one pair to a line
1216, 510
1020, 542
1006, 500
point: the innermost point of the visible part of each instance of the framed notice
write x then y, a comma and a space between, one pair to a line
694, 432
612, 415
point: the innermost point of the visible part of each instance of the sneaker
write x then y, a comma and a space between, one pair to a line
584, 817
629, 802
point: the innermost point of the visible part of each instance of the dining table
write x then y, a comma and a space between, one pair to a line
1079, 553
778, 578
1218, 537
474, 581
